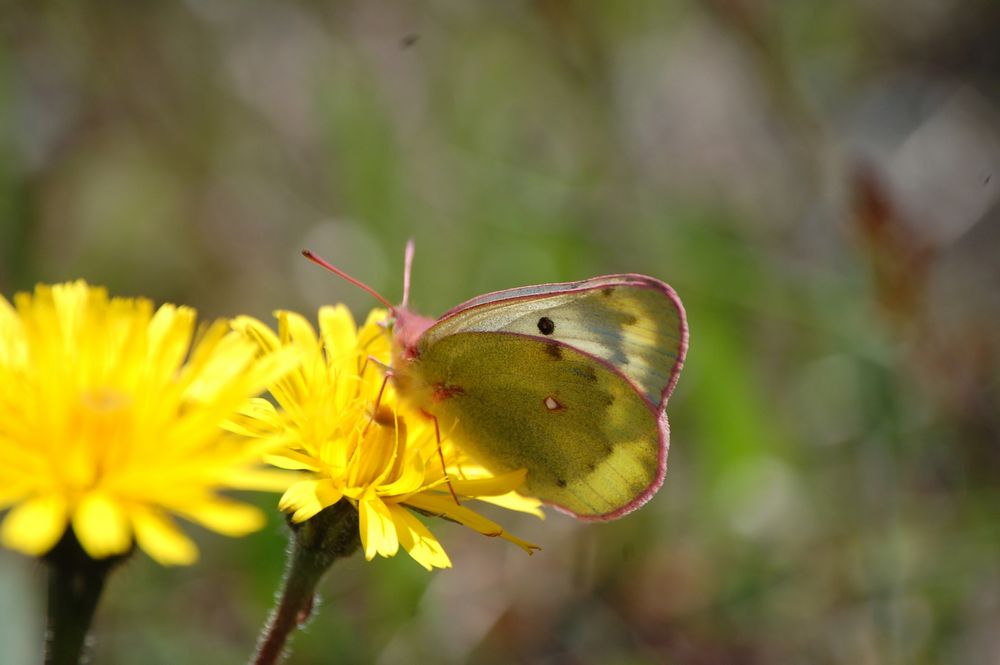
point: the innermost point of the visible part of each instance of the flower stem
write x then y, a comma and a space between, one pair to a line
316, 543
75, 585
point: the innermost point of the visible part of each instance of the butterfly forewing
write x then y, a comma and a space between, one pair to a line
634, 323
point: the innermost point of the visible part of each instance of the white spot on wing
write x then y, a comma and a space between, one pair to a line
552, 404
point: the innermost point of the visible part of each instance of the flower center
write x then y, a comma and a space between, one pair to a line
104, 400
100, 431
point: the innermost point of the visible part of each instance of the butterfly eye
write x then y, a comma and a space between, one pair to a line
546, 326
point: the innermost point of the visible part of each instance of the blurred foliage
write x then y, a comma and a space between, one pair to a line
819, 181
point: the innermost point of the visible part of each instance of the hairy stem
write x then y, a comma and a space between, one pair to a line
315, 544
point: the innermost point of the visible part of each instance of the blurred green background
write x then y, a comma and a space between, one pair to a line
818, 180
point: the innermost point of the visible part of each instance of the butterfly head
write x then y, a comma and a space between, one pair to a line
405, 326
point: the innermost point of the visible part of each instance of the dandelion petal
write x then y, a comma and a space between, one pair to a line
337, 327
226, 517
301, 500
162, 540
418, 541
36, 525
101, 526
378, 532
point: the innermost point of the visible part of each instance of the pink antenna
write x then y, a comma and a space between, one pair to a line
337, 271
407, 264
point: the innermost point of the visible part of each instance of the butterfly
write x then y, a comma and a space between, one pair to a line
569, 381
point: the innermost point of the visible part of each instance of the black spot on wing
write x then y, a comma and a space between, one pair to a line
560, 482
554, 351
546, 326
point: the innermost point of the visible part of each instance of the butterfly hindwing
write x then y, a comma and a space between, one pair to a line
591, 443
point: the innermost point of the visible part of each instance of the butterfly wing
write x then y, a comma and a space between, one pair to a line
566, 380
592, 445
633, 322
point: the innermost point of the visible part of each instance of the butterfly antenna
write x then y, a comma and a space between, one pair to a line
407, 264
358, 283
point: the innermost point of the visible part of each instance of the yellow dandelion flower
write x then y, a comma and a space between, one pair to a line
110, 423
384, 460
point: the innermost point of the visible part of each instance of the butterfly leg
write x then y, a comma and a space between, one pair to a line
444, 468
381, 391
386, 369
378, 402
437, 427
